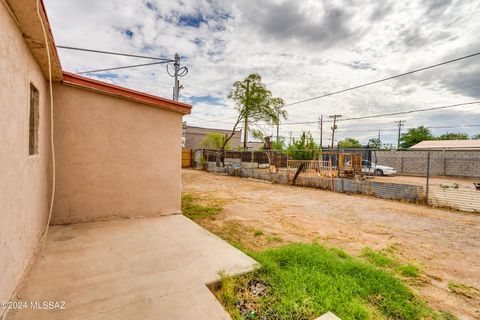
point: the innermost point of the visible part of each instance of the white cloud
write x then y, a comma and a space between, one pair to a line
301, 49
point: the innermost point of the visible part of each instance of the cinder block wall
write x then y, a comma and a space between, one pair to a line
442, 163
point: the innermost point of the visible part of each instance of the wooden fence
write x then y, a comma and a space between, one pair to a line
187, 156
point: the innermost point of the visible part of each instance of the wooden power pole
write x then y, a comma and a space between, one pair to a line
320, 126
334, 127
400, 124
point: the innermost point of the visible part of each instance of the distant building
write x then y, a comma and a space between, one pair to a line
193, 136
255, 145
447, 144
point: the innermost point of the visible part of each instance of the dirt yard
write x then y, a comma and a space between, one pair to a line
445, 244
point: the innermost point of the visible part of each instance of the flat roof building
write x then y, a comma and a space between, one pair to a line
193, 136
447, 144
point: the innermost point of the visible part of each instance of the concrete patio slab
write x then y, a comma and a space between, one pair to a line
151, 268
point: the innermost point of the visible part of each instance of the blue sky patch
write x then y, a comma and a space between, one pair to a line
206, 99
150, 5
191, 20
107, 75
128, 33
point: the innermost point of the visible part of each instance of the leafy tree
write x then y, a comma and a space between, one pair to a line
349, 143
254, 103
453, 136
257, 134
476, 136
279, 145
375, 143
414, 136
215, 140
304, 148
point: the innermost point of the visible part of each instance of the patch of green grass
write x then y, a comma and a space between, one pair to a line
303, 281
408, 270
444, 315
194, 211
457, 286
257, 233
377, 258
274, 239
385, 259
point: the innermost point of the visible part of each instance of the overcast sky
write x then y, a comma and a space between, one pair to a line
300, 48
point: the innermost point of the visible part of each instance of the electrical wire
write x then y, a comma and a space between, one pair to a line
124, 67
115, 53
389, 114
47, 46
396, 129
374, 82
382, 80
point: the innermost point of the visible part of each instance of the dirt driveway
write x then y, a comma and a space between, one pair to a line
446, 244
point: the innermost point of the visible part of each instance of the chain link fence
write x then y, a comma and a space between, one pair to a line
447, 178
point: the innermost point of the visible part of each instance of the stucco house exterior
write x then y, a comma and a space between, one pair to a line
117, 150
117, 155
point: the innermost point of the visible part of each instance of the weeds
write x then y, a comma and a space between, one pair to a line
377, 258
257, 233
194, 211
304, 281
464, 290
385, 260
274, 239
408, 270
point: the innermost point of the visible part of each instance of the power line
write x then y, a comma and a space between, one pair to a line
392, 113
382, 80
124, 67
115, 53
395, 129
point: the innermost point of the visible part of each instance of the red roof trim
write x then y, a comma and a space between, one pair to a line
76, 80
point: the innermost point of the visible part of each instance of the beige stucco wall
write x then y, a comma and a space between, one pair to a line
24, 188
115, 158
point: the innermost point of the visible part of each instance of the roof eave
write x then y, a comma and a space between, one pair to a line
124, 93
26, 17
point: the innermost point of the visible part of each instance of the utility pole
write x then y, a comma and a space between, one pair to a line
320, 125
278, 124
290, 138
379, 135
176, 66
400, 124
178, 72
247, 92
334, 127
